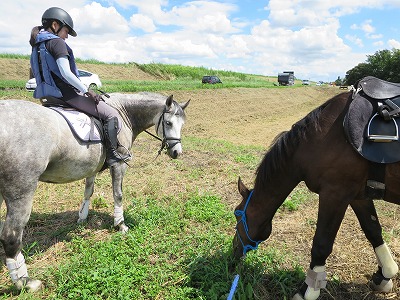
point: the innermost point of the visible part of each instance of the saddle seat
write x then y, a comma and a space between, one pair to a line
379, 89
372, 121
53, 101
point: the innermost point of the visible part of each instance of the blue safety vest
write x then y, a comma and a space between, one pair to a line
43, 64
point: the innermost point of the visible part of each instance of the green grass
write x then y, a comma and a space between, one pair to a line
178, 246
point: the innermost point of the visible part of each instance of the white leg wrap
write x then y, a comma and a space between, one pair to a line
385, 286
17, 267
118, 214
386, 261
316, 280
84, 210
297, 297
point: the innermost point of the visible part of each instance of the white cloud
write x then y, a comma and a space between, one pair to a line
143, 22
94, 19
303, 35
355, 40
394, 44
379, 44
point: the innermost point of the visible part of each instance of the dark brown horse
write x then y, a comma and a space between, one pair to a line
317, 152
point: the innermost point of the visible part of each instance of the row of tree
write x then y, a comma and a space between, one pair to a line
384, 64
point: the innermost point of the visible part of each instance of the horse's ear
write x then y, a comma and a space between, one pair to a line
184, 105
169, 101
243, 190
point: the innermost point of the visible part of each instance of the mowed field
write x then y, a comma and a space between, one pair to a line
226, 134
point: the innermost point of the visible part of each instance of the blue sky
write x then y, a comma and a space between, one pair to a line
318, 40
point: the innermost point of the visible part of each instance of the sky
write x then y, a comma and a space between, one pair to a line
317, 39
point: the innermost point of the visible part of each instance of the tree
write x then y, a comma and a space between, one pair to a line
384, 64
339, 81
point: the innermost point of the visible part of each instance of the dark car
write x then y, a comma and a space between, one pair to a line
211, 79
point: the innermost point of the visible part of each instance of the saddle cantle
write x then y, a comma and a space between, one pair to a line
372, 120
379, 89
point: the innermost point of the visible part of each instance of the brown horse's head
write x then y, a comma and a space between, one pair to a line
251, 228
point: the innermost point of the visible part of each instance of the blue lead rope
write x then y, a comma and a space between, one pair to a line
242, 214
233, 287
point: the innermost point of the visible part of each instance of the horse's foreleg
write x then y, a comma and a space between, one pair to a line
84, 209
330, 216
117, 175
18, 213
387, 267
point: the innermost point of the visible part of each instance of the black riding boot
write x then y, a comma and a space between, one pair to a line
114, 151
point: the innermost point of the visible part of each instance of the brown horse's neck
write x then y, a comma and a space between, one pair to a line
273, 190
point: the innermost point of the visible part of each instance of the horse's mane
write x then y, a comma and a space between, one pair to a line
284, 145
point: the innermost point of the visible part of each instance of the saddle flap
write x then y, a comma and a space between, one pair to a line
373, 137
379, 89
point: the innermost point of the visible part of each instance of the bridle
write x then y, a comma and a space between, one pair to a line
242, 214
165, 141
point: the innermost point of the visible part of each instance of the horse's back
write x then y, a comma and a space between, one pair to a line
24, 121
36, 142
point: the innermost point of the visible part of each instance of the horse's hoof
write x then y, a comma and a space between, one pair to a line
297, 297
380, 283
122, 227
385, 286
80, 221
30, 285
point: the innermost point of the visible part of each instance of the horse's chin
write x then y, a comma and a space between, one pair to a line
237, 248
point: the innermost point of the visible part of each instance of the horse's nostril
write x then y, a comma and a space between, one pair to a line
175, 154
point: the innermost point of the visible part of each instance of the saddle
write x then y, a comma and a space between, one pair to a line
372, 121
87, 128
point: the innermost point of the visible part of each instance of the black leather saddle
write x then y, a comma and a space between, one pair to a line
372, 121
53, 101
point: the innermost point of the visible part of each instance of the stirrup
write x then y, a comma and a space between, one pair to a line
113, 156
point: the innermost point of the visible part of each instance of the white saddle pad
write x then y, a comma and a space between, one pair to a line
80, 123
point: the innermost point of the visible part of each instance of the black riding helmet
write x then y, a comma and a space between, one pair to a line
60, 15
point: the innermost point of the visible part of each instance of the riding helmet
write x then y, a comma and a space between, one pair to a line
58, 14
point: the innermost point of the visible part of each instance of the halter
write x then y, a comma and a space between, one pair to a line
164, 140
242, 213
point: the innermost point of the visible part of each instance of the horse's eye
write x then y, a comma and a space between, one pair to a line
168, 123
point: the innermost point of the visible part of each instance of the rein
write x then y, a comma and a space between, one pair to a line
242, 214
164, 141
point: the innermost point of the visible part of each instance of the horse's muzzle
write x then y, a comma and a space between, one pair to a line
175, 151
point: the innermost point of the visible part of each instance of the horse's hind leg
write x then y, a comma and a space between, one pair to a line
19, 207
84, 209
387, 267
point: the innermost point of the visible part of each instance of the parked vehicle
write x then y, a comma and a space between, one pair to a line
286, 78
91, 80
305, 82
211, 79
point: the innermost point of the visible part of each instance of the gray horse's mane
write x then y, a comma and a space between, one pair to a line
143, 98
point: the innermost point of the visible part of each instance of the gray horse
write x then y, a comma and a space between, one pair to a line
36, 144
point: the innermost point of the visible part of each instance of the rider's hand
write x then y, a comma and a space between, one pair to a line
96, 98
